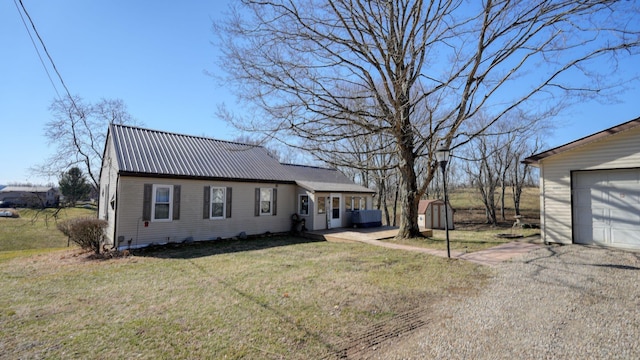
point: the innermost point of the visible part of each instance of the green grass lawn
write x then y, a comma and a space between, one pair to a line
267, 298
36, 229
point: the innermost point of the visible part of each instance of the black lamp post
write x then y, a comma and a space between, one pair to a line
442, 155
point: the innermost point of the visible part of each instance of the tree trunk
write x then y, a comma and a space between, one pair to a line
409, 195
395, 204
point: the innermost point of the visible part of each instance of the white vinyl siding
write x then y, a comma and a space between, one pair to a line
618, 151
192, 225
108, 191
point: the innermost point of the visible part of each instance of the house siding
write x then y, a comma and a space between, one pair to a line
618, 151
191, 225
108, 190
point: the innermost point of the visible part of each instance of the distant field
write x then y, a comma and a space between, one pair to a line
36, 229
469, 208
470, 213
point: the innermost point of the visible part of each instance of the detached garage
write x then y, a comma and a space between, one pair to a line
590, 189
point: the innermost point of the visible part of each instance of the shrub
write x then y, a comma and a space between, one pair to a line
86, 232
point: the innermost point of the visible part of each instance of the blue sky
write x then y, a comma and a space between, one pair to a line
153, 56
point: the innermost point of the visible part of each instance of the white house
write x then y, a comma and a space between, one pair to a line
158, 187
590, 189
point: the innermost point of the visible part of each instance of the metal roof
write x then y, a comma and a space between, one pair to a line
156, 153
319, 179
30, 189
145, 152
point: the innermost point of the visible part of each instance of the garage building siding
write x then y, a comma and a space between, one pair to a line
618, 151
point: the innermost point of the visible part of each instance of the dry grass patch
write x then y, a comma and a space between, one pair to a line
469, 239
36, 229
264, 298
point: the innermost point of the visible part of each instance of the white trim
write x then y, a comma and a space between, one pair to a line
156, 187
333, 221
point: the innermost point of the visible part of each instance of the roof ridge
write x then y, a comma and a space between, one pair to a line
184, 135
309, 166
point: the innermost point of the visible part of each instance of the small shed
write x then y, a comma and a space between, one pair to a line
431, 214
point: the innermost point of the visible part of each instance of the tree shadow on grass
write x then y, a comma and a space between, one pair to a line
192, 250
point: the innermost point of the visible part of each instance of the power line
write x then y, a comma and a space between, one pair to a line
44, 47
36, 47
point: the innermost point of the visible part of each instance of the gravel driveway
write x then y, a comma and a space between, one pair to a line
558, 302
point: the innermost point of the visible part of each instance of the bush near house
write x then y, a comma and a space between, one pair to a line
88, 233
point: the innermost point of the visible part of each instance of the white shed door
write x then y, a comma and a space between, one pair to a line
606, 208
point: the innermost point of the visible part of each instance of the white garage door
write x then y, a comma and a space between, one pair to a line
606, 208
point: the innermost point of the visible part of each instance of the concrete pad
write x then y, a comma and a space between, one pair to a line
500, 253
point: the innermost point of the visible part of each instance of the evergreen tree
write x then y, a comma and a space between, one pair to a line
74, 186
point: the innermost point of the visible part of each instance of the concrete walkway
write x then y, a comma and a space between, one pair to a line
490, 257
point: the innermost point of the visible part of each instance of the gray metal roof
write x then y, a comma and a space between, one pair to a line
319, 179
155, 153
149, 152
30, 189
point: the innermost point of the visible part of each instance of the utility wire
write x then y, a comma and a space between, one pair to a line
46, 70
44, 47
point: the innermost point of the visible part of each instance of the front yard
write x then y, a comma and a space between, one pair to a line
263, 298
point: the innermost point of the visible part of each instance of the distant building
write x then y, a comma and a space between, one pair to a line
29, 196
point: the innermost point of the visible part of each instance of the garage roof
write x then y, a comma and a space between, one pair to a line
535, 159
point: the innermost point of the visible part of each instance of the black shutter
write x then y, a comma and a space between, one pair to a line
176, 202
275, 202
257, 207
228, 202
146, 202
207, 202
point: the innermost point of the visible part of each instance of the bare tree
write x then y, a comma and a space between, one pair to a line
78, 130
319, 71
520, 175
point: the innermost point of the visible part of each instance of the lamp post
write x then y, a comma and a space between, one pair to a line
442, 155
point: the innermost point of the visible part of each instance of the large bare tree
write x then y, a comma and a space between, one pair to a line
320, 71
78, 130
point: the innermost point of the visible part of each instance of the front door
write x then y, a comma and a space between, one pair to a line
335, 203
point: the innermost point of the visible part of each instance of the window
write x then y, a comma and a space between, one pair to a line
322, 204
218, 201
357, 203
303, 205
162, 203
265, 201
